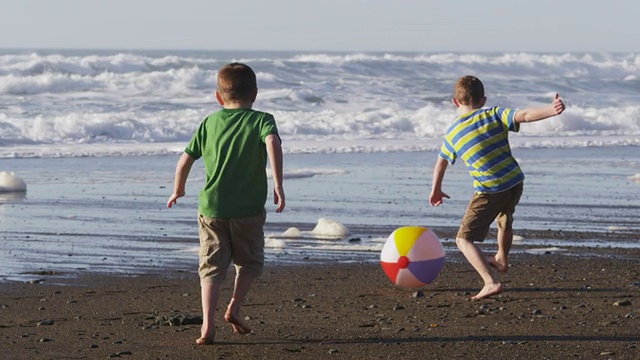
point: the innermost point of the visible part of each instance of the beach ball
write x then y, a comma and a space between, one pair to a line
412, 257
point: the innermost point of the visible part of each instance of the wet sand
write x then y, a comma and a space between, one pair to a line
553, 307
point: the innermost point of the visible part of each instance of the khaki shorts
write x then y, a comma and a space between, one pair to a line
222, 241
483, 209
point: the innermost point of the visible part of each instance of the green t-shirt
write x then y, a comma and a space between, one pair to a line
231, 142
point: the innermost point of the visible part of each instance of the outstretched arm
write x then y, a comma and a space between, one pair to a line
436, 197
274, 149
182, 172
541, 113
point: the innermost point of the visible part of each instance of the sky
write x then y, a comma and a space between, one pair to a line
324, 25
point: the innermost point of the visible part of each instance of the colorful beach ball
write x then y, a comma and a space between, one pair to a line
412, 257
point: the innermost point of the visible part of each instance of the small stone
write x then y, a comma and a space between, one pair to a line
622, 303
45, 322
418, 294
537, 312
606, 353
333, 351
43, 340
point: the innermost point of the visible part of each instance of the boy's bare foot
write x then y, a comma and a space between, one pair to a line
204, 341
497, 264
205, 338
487, 291
238, 326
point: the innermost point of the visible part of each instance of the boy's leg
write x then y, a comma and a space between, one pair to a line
241, 289
479, 262
501, 260
248, 243
475, 225
505, 230
214, 260
210, 294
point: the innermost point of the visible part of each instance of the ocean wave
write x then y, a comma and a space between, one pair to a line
383, 125
397, 101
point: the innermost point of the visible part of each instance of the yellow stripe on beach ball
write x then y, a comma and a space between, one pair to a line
406, 236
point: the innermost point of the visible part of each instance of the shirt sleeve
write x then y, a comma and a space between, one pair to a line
447, 152
508, 118
194, 149
268, 127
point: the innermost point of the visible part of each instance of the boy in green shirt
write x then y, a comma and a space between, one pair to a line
234, 143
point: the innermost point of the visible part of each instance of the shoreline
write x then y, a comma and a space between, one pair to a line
350, 249
554, 306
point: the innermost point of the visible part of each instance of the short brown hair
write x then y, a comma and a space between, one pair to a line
237, 82
469, 90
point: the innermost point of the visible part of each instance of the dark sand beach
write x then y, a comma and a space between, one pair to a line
553, 307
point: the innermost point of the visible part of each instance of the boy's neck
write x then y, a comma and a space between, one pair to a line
465, 109
231, 105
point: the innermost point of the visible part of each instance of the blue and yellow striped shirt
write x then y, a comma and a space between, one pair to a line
480, 138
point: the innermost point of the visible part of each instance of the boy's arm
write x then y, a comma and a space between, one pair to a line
541, 113
182, 172
437, 195
274, 149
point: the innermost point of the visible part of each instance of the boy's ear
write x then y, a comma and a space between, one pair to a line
219, 97
483, 101
455, 102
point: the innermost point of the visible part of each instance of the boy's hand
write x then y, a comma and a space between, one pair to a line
436, 197
558, 105
173, 199
278, 199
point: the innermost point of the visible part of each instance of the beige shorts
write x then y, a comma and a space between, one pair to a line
483, 209
222, 241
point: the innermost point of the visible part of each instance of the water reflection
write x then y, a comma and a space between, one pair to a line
13, 196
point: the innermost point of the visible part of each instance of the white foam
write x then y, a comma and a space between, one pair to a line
618, 228
329, 227
324, 103
635, 178
292, 232
541, 251
10, 182
274, 243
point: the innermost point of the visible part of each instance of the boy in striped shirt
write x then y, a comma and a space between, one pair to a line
479, 136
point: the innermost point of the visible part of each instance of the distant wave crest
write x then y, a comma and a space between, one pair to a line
386, 101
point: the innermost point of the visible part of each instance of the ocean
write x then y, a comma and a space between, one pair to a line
95, 136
